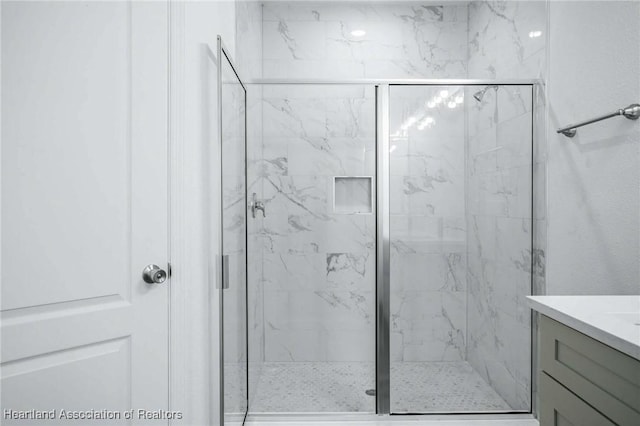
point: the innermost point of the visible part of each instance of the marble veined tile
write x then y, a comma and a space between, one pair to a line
384, 40
294, 40
313, 40
502, 35
432, 323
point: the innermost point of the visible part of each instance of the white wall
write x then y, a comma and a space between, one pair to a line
593, 201
194, 28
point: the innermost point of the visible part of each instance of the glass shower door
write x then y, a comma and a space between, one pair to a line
317, 180
460, 236
232, 104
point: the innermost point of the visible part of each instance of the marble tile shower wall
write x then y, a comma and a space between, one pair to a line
313, 40
255, 264
319, 265
478, 39
507, 39
249, 61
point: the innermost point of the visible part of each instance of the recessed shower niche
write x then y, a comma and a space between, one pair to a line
352, 195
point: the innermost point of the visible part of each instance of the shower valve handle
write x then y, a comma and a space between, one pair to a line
256, 205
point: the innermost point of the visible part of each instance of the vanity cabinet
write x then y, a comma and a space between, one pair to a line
583, 382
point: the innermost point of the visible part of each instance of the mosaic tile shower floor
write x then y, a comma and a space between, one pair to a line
297, 387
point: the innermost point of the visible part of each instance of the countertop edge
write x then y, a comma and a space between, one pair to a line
599, 334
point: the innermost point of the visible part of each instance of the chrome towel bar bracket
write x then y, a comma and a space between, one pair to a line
632, 112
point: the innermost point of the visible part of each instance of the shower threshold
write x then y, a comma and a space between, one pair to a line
362, 419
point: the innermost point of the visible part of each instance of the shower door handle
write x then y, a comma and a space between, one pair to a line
225, 272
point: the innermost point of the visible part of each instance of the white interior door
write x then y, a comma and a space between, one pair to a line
84, 208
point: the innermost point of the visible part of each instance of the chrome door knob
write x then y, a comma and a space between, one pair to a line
153, 274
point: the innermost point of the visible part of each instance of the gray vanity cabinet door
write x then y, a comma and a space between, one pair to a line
560, 407
605, 378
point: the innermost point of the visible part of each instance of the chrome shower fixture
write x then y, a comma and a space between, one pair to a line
480, 94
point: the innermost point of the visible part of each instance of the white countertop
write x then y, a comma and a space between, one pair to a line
613, 320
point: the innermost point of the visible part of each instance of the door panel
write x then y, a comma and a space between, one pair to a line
82, 368
234, 242
65, 149
84, 205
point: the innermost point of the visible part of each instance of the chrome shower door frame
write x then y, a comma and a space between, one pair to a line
383, 237
383, 253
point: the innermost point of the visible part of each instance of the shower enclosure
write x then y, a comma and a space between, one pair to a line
395, 249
